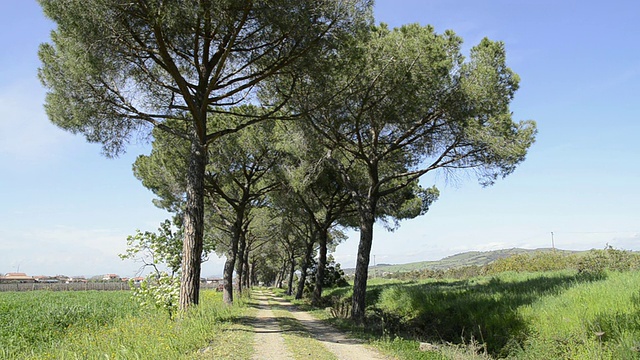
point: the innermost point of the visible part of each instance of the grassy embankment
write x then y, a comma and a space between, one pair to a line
110, 325
513, 313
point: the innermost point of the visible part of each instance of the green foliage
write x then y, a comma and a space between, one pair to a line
160, 248
608, 259
408, 104
463, 272
113, 67
542, 261
158, 291
333, 276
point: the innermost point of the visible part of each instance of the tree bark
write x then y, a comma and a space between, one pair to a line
229, 265
303, 270
283, 271
240, 263
322, 264
301, 281
292, 270
227, 279
193, 226
245, 269
367, 219
252, 272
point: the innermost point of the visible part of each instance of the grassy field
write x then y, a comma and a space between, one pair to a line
109, 325
545, 315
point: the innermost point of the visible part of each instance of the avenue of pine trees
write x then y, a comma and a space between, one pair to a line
277, 124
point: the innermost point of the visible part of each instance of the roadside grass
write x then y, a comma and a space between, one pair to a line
553, 315
405, 349
209, 331
599, 320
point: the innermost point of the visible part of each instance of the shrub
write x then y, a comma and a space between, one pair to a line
541, 261
160, 291
608, 259
333, 276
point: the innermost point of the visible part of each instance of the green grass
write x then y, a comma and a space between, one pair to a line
108, 325
599, 320
32, 322
552, 315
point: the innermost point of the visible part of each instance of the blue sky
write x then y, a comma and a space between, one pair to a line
66, 209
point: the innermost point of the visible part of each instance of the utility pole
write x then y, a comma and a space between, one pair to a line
553, 245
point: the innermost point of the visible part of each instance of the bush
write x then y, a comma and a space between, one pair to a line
540, 261
333, 276
597, 261
160, 291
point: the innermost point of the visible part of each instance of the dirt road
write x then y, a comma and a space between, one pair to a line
269, 343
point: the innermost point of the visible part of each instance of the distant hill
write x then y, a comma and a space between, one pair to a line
478, 258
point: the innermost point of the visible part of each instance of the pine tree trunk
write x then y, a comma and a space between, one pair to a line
245, 269
367, 219
252, 272
276, 283
292, 270
283, 271
240, 263
301, 281
322, 264
227, 279
227, 287
303, 270
193, 227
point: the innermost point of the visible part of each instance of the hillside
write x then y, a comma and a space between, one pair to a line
478, 258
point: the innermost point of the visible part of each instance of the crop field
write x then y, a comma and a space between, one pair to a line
543, 315
32, 322
110, 325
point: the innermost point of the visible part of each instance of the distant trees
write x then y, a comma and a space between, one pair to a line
313, 187
366, 110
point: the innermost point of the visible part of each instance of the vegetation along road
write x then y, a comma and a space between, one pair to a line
540, 306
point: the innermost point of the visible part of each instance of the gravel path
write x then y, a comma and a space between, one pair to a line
273, 348
268, 342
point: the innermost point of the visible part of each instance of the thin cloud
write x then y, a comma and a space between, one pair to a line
64, 250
